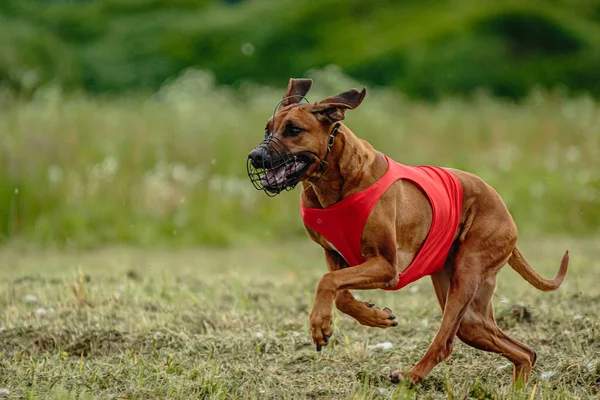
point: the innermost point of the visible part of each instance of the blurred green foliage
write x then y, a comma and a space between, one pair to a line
170, 169
424, 48
88, 157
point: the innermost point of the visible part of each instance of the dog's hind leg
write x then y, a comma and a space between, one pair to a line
459, 296
472, 266
478, 329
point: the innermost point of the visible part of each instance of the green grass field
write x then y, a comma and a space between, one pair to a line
137, 260
212, 323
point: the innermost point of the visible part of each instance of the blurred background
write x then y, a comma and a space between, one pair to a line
129, 121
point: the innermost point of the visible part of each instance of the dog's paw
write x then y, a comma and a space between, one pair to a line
326, 339
376, 317
406, 377
320, 328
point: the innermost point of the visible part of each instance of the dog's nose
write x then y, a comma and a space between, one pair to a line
256, 156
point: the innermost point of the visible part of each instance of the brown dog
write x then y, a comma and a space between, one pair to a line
303, 144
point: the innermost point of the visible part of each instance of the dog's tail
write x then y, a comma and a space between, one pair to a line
519, 264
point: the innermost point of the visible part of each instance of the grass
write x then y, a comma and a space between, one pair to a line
169, 169
122, 322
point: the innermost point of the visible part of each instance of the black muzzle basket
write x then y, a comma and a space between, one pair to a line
277, 169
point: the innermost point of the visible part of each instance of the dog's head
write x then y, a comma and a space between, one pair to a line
298, 138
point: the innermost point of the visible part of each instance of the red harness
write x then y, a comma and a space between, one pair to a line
342, 224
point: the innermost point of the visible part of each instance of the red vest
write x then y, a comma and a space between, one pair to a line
342, 224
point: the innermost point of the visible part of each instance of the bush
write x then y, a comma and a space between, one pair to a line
426, 49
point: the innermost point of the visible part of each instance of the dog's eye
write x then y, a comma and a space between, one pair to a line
293, 130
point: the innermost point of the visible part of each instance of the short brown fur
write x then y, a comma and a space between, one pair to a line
395, 231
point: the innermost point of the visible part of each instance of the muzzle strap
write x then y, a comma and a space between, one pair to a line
324, 163
334, 132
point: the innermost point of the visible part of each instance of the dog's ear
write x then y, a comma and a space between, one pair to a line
296, 88
333, 109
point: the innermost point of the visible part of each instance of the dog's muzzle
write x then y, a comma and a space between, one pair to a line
272, 167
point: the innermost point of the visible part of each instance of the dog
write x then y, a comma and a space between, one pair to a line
383, 230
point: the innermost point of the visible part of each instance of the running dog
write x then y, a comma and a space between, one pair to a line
383, 225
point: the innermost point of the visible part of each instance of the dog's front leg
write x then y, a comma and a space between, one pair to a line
375, 273
362, 311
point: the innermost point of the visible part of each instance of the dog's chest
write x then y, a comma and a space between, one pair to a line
332, 247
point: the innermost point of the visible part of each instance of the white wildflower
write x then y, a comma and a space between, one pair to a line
573, 154
547, 375
179, 172
55, 174
105, 170
41, 312
247, 49
383, 346
29, 298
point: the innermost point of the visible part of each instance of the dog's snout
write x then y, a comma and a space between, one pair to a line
256, 156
